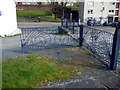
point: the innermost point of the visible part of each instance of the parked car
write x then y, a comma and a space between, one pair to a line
114, 24
93, 22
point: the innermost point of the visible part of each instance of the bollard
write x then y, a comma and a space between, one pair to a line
115, 49
81, 35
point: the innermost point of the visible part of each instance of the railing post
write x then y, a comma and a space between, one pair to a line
81, 35
66, 23
115, 48
73, 26
62, 21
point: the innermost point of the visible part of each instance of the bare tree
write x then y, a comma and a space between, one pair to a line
55, 8
58, 7
63, 5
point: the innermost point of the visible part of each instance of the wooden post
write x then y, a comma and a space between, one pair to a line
115, 48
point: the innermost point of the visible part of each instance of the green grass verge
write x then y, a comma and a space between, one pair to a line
45, 18
12, 35
50, 19
32, 71
72, 7
23, 20
29, 13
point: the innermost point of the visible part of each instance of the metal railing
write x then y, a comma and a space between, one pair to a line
102, 44
69, 24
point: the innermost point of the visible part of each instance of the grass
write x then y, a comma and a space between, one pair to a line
23, 20
12, 35
32, 71
50, 19
72, 7
43, 18
29, 13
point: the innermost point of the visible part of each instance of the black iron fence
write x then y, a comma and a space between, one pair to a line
102, 44
69, 24
42, 38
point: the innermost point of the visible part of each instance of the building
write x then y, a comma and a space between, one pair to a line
103, 11
119, 13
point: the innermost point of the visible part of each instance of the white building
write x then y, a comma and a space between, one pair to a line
100, 10
8, 22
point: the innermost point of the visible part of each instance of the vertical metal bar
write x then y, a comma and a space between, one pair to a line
66, 23
73, 26
81, 35
62, 21
115, 49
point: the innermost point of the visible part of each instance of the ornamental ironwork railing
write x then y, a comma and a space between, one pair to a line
99, 43
45, 38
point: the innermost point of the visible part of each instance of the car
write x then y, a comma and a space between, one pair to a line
93, 22
114, 24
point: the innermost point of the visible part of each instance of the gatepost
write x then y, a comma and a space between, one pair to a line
81, 35
115, 48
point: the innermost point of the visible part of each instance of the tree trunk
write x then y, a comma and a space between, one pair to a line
55, 16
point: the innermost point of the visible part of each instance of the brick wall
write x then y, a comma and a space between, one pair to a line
34, 7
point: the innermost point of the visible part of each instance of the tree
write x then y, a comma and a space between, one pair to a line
63, 5
58, 7
55, 8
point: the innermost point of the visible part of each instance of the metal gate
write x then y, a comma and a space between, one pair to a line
99, 43
41, 38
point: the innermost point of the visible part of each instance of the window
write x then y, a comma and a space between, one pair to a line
43, 3
116, 12
112, 3
90, 11
0, 13
23, 3
89, 18
91, 3
48, 3
19, 3
101, 3
28, 3
111, 11
117, 5
34, 3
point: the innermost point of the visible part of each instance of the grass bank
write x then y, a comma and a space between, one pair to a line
72, 7
30, 13
23, 20
50, 19
42, 18
32, 71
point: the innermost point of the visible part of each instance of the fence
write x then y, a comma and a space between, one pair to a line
43, 38
69, 24
102, 44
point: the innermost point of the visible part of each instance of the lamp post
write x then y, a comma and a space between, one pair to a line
119, 13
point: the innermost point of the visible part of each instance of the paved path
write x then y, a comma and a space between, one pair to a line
41, 24
11, 47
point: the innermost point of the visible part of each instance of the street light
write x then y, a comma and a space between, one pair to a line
119, 13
